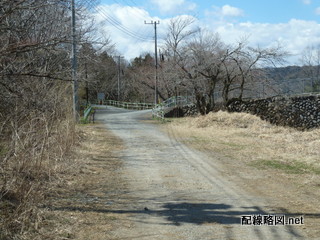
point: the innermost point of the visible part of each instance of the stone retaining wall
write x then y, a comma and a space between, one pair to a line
185, 111
301, 112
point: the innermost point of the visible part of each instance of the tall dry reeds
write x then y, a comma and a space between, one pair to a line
37, 133
36, 126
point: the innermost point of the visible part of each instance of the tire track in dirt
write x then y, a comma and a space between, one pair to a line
180, 193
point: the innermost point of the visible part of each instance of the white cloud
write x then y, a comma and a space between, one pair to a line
294, 36
228, 10
174, 6
224, 12
307, 2
126, 27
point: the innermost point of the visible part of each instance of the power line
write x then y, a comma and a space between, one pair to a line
139, 35
135, 11
115, 23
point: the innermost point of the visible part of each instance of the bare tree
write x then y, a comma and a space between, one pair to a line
310, 61
251, 62
202, 64
179, 30
197, 61
141, 71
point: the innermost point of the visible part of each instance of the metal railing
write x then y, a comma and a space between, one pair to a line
129, 105
177, 101
89, 111
158, 112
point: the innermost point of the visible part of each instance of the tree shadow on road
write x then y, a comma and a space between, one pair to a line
201, 213
192, 213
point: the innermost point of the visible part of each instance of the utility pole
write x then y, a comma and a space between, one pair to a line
155, 23
87, 84
74, 63
119, 73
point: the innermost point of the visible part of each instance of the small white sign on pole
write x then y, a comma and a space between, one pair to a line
101, 97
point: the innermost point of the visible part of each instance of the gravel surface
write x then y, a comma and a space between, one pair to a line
179, 193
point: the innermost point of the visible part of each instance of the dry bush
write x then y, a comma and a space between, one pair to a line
223, 119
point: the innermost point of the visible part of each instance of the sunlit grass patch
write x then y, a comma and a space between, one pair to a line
293, 167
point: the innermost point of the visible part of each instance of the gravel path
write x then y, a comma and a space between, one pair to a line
179, 193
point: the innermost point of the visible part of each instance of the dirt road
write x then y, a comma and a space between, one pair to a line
175, 192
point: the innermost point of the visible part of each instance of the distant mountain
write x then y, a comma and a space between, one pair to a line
294, 79
286, 73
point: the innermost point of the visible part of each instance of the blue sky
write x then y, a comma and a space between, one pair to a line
293, 23
271, 11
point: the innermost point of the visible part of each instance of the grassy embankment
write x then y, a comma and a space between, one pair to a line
249, 139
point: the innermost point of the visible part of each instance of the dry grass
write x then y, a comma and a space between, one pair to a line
248, 138
80, 207
36, 138
74, 199
33, 164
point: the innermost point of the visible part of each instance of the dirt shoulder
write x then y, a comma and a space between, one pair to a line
79, 207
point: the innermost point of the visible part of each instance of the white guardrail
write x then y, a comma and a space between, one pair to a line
158, 112
129, 105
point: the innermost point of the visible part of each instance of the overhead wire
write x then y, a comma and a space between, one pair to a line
139, 15
135, 11
115, 23
139, 38
147, 31
150, 32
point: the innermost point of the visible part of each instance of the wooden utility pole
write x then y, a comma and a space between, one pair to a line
155, 23
87, 83
119, 74
74, 63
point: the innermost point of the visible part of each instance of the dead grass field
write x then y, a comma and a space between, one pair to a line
248, 138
